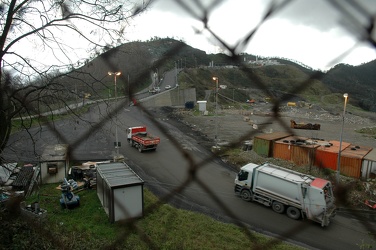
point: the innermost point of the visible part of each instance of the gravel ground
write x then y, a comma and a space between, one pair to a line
234, 124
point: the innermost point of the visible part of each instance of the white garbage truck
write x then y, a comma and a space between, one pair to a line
299, 195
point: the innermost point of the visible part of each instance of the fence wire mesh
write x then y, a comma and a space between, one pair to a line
363, 31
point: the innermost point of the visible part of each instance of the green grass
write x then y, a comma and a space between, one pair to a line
161, 227
18, 125
371, 131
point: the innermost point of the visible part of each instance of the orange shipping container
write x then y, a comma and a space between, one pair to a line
326, 155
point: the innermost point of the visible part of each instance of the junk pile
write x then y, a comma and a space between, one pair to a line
310, 126
68, 198
17, 181
85, 173
33, 210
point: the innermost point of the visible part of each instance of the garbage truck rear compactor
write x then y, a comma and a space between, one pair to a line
297, 194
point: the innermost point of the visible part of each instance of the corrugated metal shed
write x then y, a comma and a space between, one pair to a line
351, 160
282, 149
263, 143
369, 165
120, 191
326, 155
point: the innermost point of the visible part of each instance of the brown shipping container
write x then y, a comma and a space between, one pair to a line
282, 149
351, 160
303, 155
326, 155
263, 144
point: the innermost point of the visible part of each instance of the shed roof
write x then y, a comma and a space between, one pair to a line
333, 146
118, 174
57, 152
273, 136
297, 141
355, 151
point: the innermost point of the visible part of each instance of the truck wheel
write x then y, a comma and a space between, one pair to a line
246, 195
278, 207
293, 213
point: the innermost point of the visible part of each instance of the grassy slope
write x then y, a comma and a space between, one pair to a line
162, 227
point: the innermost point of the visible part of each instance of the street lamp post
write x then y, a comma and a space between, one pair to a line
117, 144
340, 139
216, 110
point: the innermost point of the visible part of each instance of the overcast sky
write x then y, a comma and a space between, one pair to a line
311, 32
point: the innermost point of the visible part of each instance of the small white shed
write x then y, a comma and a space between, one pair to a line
120, 191
369, 165
54, 163
202, 105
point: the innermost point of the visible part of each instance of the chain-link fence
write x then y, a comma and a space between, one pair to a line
349, 10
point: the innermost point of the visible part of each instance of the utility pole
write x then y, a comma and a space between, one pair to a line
117, 144
340, 139
216, 110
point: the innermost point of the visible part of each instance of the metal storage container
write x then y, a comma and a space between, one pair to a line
120, 191
326, 155
263, 144
369, 165
351, 160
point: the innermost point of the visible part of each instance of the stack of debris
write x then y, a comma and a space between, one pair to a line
8, 174
86, 173
15, 181
23, 178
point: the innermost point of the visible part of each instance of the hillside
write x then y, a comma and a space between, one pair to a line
138, 61
279, 81
358, 81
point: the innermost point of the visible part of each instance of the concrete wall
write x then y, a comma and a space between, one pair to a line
173, 97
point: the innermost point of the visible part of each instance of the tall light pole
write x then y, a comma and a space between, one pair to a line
340, 139
117, 144
129, 93
216, 110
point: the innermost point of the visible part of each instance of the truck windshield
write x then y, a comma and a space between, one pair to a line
242, 175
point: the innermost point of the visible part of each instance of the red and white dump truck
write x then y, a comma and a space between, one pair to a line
297, 194
139, 138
